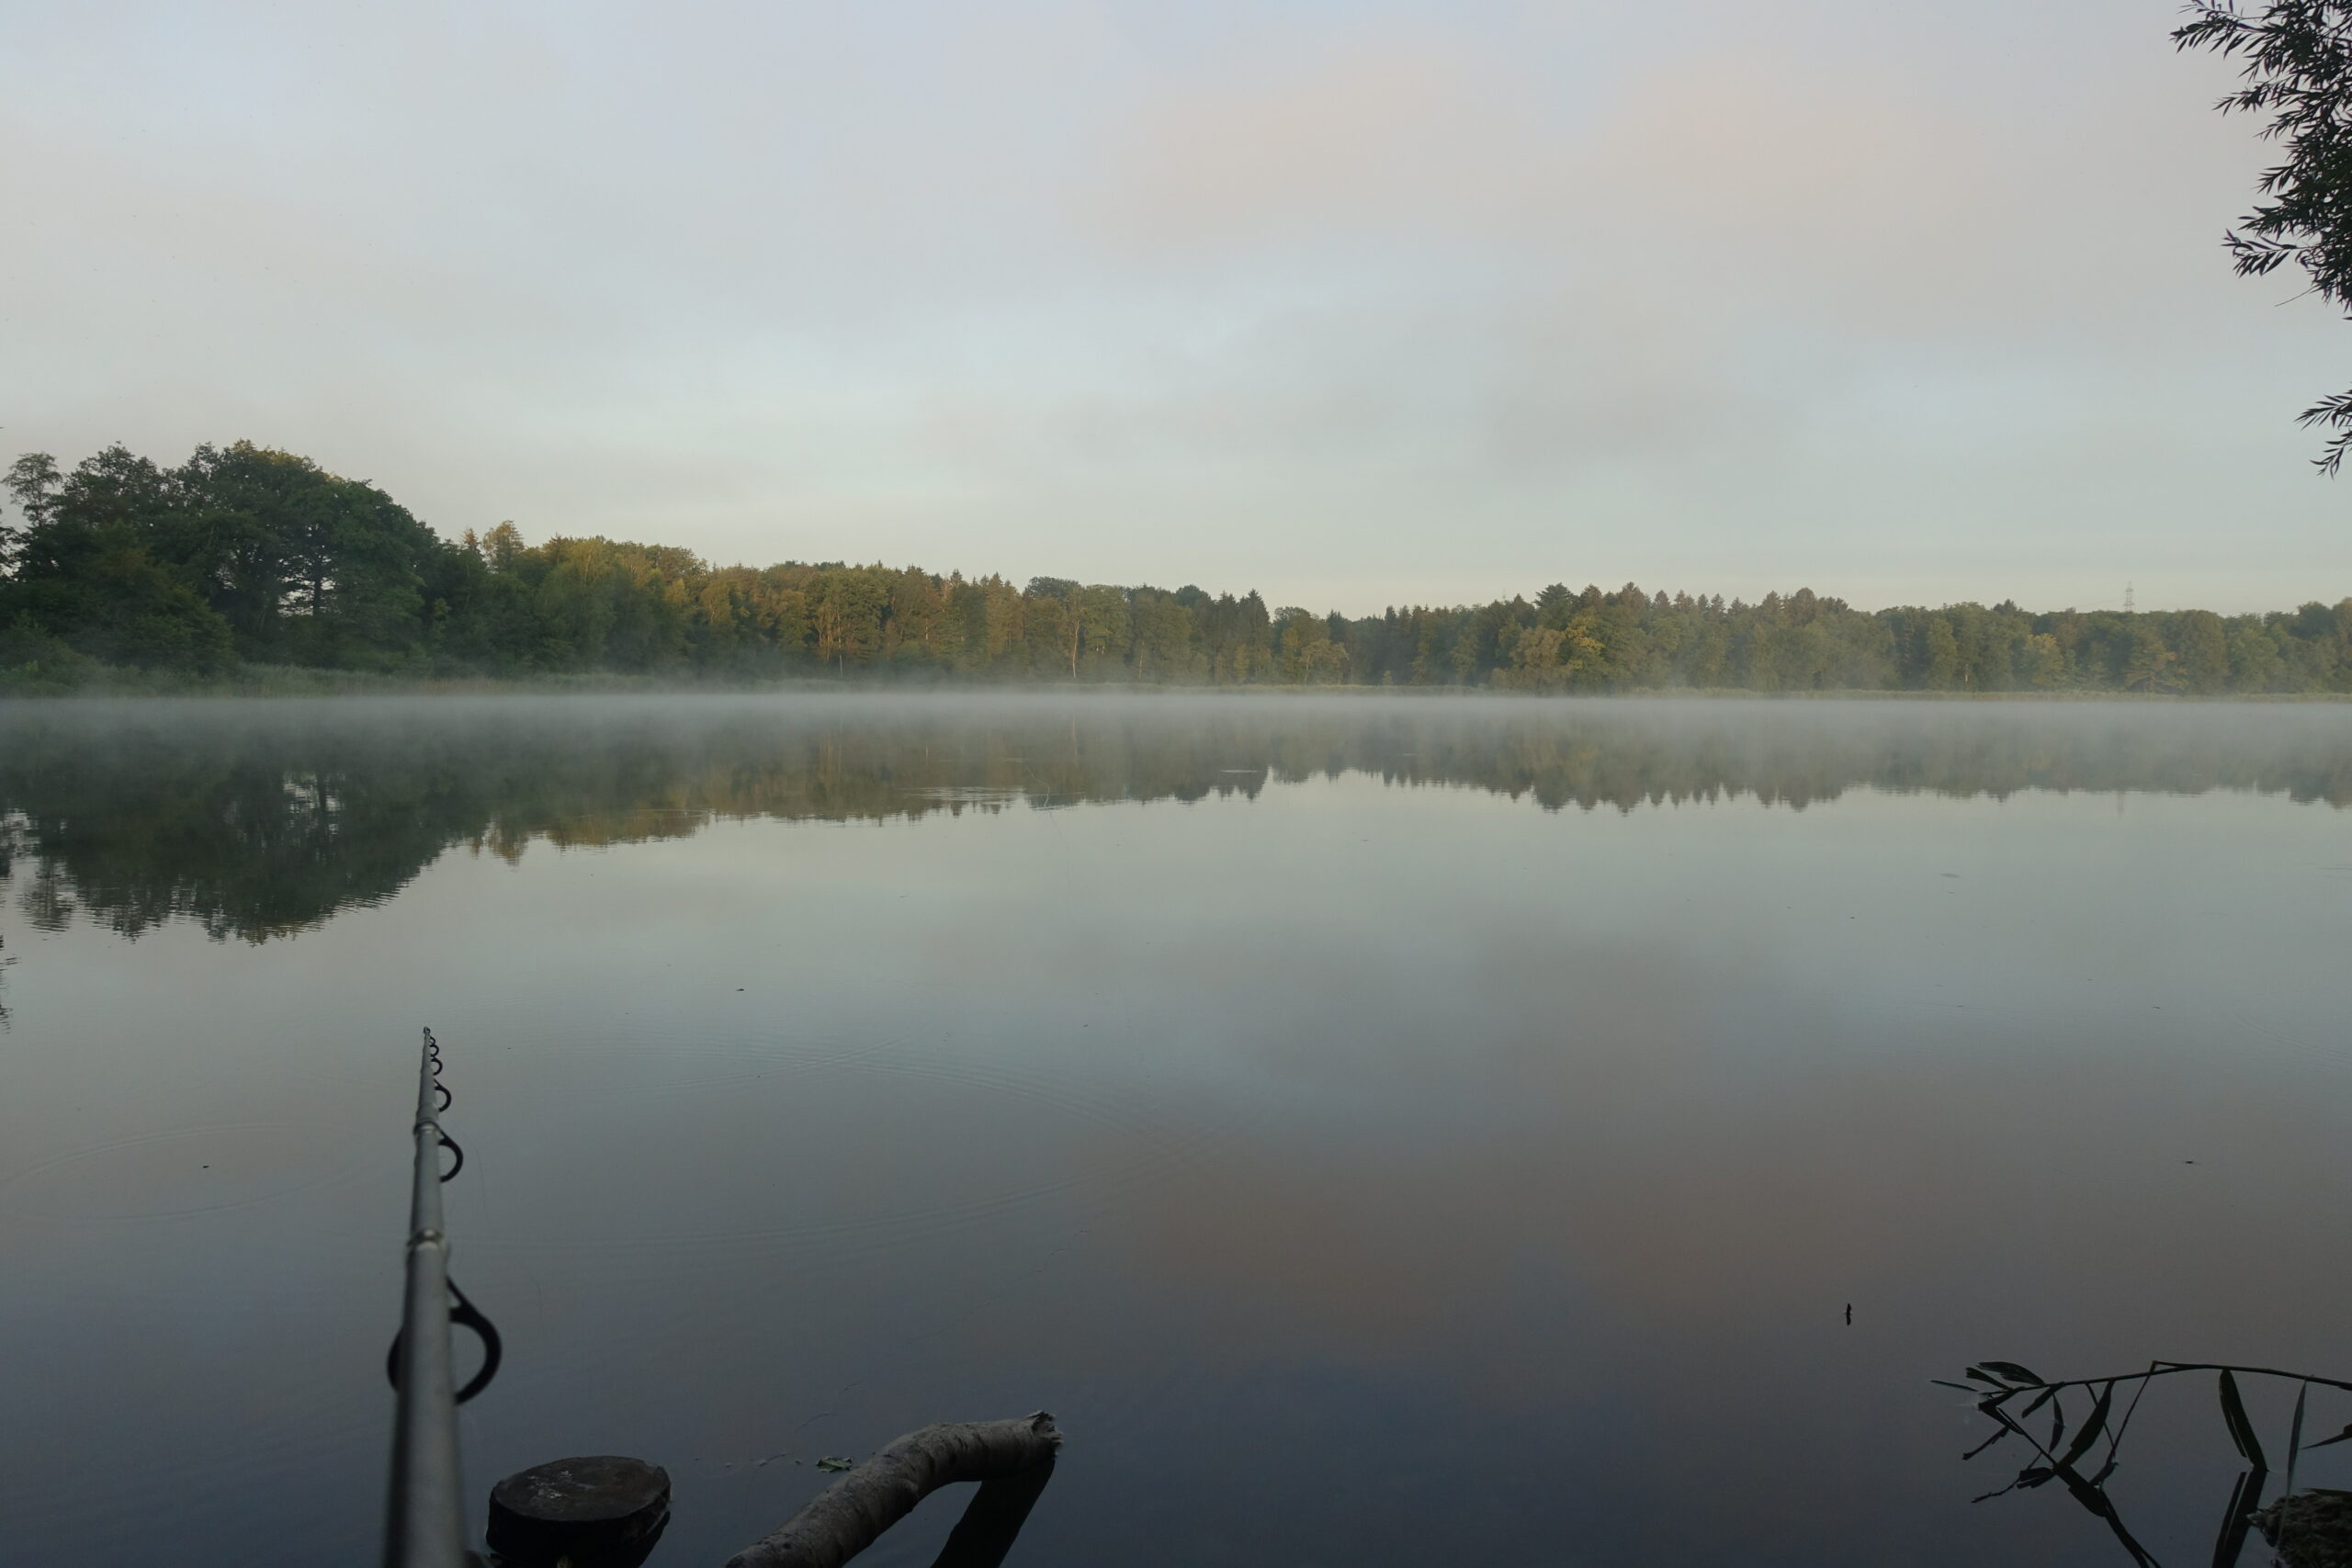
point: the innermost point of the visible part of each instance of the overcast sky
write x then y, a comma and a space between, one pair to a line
1355, 303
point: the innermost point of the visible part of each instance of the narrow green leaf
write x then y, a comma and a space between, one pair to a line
2295, 1435
2340, 1437
1987, 1443
2025, 1377
2237, 1517
2039, 1401
2093, 1424
2241, 1429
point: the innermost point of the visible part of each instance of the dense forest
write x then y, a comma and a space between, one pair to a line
244, 555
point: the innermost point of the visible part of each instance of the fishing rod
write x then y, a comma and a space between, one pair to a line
610, 1509
425, 1523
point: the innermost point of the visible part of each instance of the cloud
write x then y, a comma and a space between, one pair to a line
1409, 302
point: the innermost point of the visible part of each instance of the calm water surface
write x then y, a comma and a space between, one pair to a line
1383, 1132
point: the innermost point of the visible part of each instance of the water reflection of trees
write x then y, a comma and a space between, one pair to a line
258, 819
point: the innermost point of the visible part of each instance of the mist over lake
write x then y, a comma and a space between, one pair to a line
1383, 1130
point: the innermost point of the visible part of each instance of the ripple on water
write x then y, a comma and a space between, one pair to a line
177, 1173
953, 1142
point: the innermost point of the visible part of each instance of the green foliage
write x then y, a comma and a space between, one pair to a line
2295, 59
245, 556
31, 659
238, 555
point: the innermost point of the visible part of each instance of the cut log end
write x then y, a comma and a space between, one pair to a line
597, 1510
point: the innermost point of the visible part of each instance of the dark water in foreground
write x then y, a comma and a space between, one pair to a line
1383, 1132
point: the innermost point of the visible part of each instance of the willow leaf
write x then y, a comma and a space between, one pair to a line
2093, 1424
2241, 1429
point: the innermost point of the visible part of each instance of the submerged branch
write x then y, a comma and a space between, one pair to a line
850, 1514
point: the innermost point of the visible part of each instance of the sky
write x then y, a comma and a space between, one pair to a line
1357, 304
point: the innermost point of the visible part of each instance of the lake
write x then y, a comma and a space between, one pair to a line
1382, 1130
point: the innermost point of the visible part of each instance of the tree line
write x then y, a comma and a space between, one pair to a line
247, 556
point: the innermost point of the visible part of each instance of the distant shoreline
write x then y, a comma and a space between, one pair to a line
285, 682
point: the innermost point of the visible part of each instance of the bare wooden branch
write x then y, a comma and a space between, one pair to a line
850, 1514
